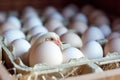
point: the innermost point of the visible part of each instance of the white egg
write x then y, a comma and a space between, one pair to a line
3, 16
60, 30
72, 38
113, 35
35, 37
32, 22
92, 50
69, 11
57, 16
52, 24
14, 20
80, 17
13, 34
21, 47
71, 53
37, 29
79, 27
49, 11
7, 26
47, 52
106, 30
92, 33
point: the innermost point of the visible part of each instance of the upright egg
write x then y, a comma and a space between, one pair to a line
52, 24
92, 33
92, 50
72, 38
13, 34
79, 27
47, 52
60, 30
71, 53
113, 45
106, 30
21, 47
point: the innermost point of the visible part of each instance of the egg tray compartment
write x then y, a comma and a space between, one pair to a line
44, 72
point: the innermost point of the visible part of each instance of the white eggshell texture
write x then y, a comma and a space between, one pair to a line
13, 34
71, 53
92, 33
92, 50
47, 52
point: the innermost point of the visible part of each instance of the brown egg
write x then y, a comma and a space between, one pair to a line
87, 9
52, 24
72, 39
79, 27
113, 45
100, 20
60, 30
113, 35
116, 25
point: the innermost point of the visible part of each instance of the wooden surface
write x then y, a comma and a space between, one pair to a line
107, 75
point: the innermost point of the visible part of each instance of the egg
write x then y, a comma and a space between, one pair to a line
14, 20
69, 11
49, 11
72, 38
92, 33
28, 12
57, 16
4, 74
21, 47
92, 50
13, 34
52, 24
60, 30
116, 25
37, 29
32, 22
78, 26
35, 37
113, 45
7, 26
87, 9
113, 35
46, 52
80, 17
106, 30
71, 53
3, 16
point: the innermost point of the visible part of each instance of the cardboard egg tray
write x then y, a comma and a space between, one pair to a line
75, 67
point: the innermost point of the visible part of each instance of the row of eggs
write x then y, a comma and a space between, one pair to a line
36, 42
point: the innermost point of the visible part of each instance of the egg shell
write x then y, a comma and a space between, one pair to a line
69, 11
49, 11
21, 47
106, 30
57, 15
7, 26
32, 22
80, 17
72, 38
3, 16
114, 45
13, 34
52, 24
37, 29
79, 26
113, 35
92, 50
47, 52
92, 33
71, 53
14, 20
60, 30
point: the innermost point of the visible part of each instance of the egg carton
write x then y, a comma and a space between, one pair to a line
74, 67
